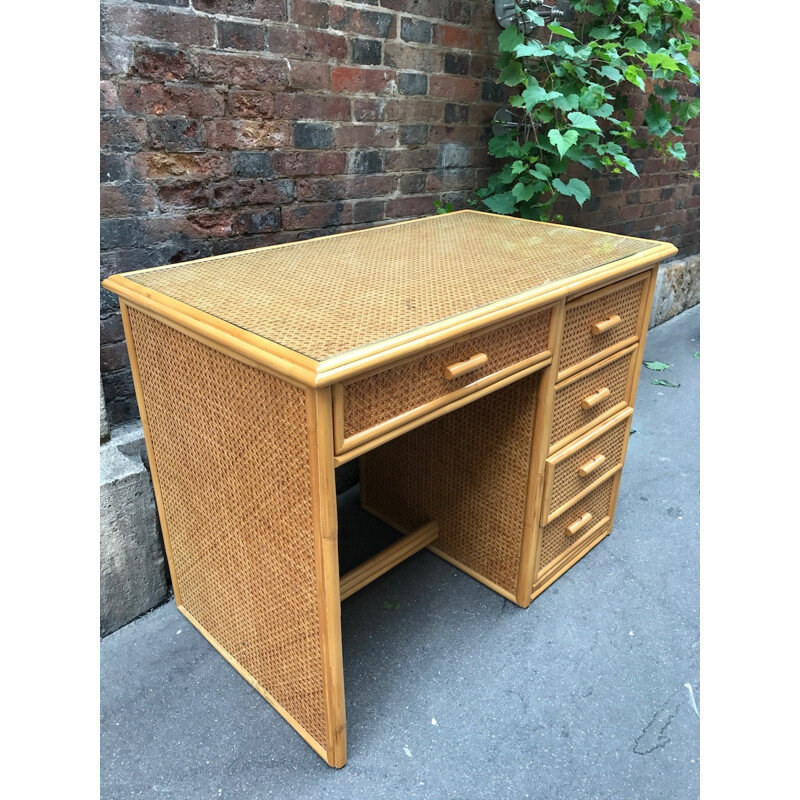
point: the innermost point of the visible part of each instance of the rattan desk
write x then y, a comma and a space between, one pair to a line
484, 367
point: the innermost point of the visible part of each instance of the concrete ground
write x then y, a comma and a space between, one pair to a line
453, 692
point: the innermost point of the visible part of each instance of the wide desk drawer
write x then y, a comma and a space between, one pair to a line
575, 470
602, 322
369, 406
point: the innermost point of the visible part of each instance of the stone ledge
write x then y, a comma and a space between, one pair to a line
677, 288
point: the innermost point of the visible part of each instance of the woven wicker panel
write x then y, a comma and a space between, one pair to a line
329, 295
379, 398
555, 541
566, 480
578, 343
468, 471
232, 460
569, 416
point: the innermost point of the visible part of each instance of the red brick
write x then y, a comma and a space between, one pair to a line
126, 199
243, 70
409, 207
247, 134
161, 229
251, 192
158, 99
310, 13
401, 55
424, 8
309, 75
274, 10
375, 185
299, 105
174, 197
419, 158
461, 38
161, 166
447, 180
290, 164
308, 44
372, 109
412, 183
162, 63
414, 111
462, 134
316, 215
365, 136
353, 79
167, 26
377, 24
453, 87
322, 189
244, 104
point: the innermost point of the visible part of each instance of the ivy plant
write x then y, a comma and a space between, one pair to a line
571, 105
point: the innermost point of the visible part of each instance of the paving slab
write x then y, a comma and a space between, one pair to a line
451, 691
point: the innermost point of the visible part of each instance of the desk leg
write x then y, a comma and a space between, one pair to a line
243, 465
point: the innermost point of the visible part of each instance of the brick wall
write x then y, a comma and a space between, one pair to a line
231, 124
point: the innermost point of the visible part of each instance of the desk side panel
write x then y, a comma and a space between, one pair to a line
230, 446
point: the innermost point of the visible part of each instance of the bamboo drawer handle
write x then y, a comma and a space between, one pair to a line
463, 367
606, 324
591, 465
593, 399
578, 524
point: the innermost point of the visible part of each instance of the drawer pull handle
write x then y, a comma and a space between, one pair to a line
578, 524
591, 465
593, 399
606, 324
463, 367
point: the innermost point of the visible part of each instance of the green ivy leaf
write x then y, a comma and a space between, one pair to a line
523, 191
657, 120
678, 150
561, 31
697, 355
568, 103
510, 39
504, 203
543, 171
667, 93
512, 74
536, 94
583, 121
517, 167
498, 145
636, 45
661, 60
532, 48
575, 188
604, 32
612, 73
562, 142
533, 17
516, 101
635, 75
658, 366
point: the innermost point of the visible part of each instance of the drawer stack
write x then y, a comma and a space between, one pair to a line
596, 373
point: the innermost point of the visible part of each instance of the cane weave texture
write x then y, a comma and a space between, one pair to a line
566, 480
327, 296
467, 471
568, 414
555, 541
381, 397
578, 343
231, 454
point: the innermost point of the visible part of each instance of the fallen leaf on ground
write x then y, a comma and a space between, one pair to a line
658, 366
666, 383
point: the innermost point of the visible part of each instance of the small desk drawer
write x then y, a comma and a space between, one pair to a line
369, 406
600, 323
564, 534
575, 470
589, 397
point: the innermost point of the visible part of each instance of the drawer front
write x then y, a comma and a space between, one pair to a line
590, 397
597, 325
367, 407
568, 531
574, 471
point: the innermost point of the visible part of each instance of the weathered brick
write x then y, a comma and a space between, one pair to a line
369, 210
458, 11
274, 10
460, 38
126, 199
411, 57
299, 105
492, 92
243, 192
114, 357
402, 160
309, 44
412, 83
412, 183
348, 136
168, 26
415, 30
354, 79
309, 75
455, 113
316, 215
240, 36
253, 165
313, 136
322, 189
310, 13
453, 155
191, 226
454, 88
108, 96
118, 233
482, 66
265, 73
122, 133
423, 8
162, 63
329, 162
175, 133
180, 196
366, 161
366, 51
417, 206
450, 179
247, 134
456, 64
413, 134
113, 167
414, 110
375, 185
250, 104
258, 221
452, 134
160, 99
369, 110
366, 23
163, 166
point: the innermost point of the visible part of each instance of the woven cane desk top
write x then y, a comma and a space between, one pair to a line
328, 296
